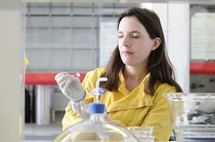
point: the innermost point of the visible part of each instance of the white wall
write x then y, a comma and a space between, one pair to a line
179, 42
175, 20
11, 94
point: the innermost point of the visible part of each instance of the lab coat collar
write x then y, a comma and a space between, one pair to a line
135, 99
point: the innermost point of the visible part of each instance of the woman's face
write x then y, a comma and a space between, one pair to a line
134, 42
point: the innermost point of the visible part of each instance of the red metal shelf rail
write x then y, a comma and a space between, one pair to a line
47, 78
202, 68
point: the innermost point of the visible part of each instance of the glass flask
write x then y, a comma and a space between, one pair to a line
143, 133
99, 128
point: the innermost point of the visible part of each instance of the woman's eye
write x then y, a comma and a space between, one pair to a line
135, 36
120, 36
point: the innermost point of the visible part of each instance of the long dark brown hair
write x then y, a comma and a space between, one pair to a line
159, 65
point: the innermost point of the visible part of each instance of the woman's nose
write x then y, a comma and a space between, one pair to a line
126, 41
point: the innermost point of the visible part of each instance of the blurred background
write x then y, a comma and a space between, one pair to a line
78, 36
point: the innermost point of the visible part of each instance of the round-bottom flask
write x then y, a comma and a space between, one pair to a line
97, 129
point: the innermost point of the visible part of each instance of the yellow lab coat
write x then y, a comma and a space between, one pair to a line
134, 108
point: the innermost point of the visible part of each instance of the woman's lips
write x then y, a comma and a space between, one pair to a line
127, 53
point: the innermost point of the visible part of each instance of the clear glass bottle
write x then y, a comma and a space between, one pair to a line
97, 129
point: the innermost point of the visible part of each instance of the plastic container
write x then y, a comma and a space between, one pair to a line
193, 116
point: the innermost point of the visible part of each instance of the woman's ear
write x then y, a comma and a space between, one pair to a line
157, 42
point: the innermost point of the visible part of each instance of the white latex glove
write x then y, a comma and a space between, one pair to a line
70, 86
81, 108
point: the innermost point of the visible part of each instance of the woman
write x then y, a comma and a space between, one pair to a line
139, 73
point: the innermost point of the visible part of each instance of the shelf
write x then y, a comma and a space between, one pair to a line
202, 68
58, 47
45, 78
60, 28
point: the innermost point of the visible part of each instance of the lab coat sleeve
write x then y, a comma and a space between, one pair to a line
159, 115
